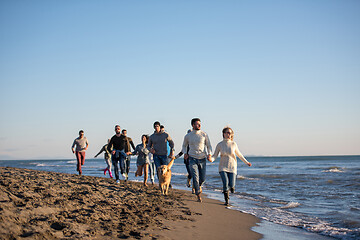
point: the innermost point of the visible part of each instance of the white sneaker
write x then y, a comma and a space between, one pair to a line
124, 176
117, 181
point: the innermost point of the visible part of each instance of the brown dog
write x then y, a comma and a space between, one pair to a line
164, 173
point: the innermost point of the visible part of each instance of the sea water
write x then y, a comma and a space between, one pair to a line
296, 197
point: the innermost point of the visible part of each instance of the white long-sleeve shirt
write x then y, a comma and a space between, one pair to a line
228, 150
197, 140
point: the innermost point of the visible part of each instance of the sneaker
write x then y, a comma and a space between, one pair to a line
111, 176
105, 171
118, 181
124, 175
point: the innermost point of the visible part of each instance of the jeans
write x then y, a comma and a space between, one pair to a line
127, 164
198, 172
187, 165
152, 171
228, 180
160, 160
118, 158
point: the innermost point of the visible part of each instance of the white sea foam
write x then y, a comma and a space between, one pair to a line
334, 170
290, 205
71, 162
241, 177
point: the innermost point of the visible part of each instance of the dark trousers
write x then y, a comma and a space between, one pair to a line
127, 164
116, 161
80, 156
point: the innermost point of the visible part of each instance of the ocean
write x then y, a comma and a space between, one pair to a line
295, 197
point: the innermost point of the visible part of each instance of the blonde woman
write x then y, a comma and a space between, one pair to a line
228, 150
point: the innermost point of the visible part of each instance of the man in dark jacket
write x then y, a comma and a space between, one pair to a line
118, 144
129, 143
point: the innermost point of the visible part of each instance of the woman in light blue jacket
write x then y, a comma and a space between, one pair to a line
142, 159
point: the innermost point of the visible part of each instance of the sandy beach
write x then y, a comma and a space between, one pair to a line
49, 205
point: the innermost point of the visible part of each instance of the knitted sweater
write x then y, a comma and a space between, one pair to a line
228, 150
197, 140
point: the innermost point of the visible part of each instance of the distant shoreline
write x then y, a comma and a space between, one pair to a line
246, 156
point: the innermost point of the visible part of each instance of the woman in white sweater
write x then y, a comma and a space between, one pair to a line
228, 150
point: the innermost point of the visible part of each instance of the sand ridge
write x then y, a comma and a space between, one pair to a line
49, 205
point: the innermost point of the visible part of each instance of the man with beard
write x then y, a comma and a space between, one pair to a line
194, 148
118, 144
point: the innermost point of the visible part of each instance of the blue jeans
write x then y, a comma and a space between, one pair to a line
152, 170
160, 160
118, 159
187, 165
228, 180
198, 172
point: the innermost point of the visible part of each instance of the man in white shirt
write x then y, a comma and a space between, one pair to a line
197, 140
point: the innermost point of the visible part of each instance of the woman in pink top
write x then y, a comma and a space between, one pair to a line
228, 150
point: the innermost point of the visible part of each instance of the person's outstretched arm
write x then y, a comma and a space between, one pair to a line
238, 153
102, 149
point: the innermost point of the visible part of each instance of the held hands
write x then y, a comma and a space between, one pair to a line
128, 153
209, 158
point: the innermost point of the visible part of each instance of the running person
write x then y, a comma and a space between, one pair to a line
228, 150
82, 145
197, 140
107, 157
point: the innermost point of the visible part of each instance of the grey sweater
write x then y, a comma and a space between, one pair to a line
157, 141
80, 143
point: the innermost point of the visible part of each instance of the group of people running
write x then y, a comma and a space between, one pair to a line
158, 149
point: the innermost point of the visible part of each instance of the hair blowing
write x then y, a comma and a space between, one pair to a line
228, 129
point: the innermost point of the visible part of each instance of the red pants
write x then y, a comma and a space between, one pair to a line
80, 156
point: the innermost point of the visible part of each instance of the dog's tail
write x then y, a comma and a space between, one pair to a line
171, 162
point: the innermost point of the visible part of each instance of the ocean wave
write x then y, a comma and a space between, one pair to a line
71, 162
334, 170
290, 205
284, 217
241, 177
354, 209
278, 201
45, 165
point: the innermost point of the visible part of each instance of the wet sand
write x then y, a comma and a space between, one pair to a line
49, 205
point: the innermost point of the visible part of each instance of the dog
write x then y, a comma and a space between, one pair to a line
164, 173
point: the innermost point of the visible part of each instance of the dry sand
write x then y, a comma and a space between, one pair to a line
49, 205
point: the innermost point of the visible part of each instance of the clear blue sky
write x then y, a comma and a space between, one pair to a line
285, 75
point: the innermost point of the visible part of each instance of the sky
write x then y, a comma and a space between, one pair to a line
284, 75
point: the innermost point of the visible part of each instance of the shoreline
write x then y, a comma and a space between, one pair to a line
40, 204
